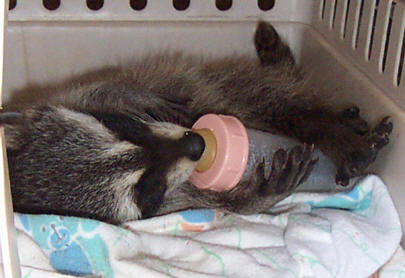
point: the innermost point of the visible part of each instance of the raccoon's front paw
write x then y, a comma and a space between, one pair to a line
288, 171
365, 151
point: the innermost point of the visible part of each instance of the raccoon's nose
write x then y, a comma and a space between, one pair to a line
194, 144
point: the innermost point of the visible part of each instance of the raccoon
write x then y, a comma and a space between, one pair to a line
116, 144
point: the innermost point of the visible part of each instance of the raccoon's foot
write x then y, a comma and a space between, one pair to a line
351, 117
288, 171
365, 150
270, 48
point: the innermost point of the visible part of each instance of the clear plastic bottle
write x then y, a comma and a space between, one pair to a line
233, 152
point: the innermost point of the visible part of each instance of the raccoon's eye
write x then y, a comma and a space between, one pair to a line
194, 145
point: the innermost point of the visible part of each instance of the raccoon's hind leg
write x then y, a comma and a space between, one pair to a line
345, 136
270, 48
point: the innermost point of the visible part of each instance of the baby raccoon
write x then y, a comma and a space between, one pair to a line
116, 144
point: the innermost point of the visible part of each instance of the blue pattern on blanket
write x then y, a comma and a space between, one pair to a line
198, 215
356, 200
73, 246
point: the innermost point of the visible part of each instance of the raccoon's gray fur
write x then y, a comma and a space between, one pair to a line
115, 144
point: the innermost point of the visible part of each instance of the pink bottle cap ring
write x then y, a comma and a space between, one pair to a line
232, 153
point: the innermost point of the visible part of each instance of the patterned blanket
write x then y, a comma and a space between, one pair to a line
343, 235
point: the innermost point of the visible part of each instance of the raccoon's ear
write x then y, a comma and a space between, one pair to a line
10, 118
270, 48
125, 127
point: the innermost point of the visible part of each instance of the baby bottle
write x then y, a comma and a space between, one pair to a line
233, 152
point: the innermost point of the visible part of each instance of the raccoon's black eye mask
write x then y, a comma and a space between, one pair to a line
191, 145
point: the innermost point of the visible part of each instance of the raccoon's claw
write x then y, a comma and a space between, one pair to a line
379, 136
288, 170
366, 153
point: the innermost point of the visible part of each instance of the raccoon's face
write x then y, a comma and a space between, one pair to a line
169, 148
170, 154
110, 163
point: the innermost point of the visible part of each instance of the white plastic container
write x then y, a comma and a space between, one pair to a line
353, 50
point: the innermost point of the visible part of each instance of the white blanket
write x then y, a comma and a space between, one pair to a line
347, 235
